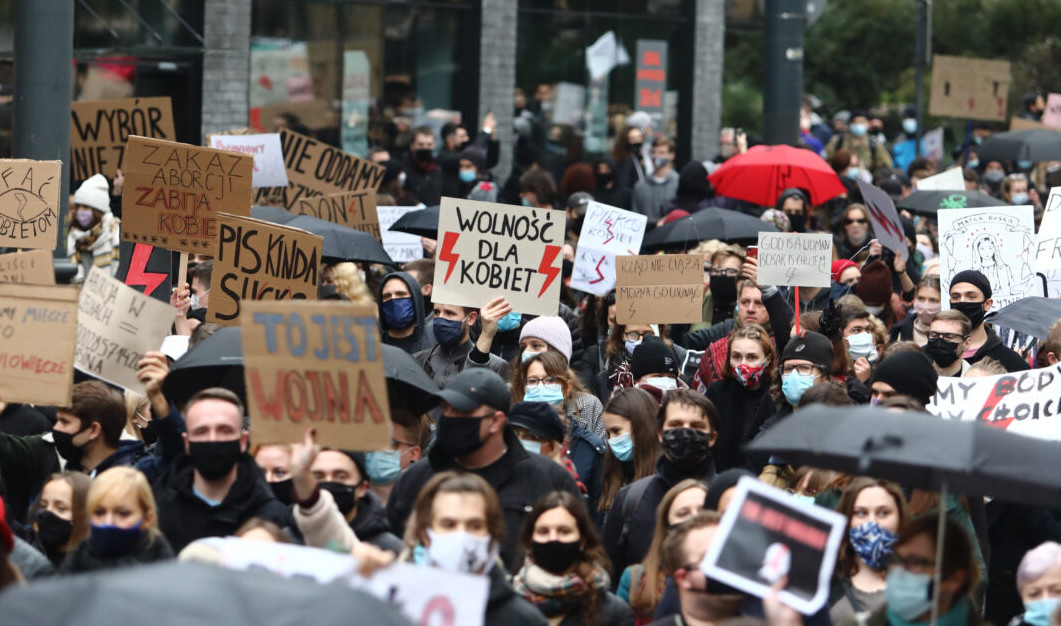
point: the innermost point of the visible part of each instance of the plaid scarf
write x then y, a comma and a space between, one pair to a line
557, 594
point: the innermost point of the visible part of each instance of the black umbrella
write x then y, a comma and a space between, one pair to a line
423, 223
710, 223
1033, 144
1032, 315
408, 382
216, 361
342, 243
274, 214
180, 594
928, 203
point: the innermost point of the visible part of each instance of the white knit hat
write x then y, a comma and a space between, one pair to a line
94, 192
552, 330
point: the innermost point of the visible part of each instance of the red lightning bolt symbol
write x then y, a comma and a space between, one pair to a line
876, 212
546, 266
1001, 390
138, 274
599, 263
447, 254
611, 235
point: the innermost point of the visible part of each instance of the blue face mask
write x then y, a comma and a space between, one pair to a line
111, 541
794, 384
509, 322
531, 446
622, 447
468, 176
549, 394
852, 172
859, 130
1039, 612
448, 332
907, 594
973, 164
525, 202
909, 126
802, 499
1025, 165
399, 313
383, 467
528, 355
838, 290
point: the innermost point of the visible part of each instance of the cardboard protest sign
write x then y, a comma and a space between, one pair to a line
1019, 123
766, 535
401, 247
1021, 402
659, 289
426, 595
607, 231
795, 259
997, 241
1052, 113
316, 364
116, 325
885, 219
33, 267
315, 169
38, 325
355, 210
146, 269
174, 192
268, 157
486, 250
29, 203
100, 129
970, 88
259, 260
950, 180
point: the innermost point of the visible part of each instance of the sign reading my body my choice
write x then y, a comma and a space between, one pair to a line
487, 249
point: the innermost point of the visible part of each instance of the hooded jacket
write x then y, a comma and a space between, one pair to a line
185, 517
442, 363
423, 336
793, 192
993, 348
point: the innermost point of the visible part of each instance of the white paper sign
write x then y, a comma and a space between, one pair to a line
1020, 402
885, 219
401, 247
932, 145
570, 104
795, 259
951, 180
604, 55
607, 231
1048, 240
997, 241
268, 156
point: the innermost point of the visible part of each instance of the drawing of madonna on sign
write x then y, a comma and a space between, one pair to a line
998, 242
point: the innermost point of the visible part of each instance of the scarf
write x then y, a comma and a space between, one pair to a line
100, 242
556, 594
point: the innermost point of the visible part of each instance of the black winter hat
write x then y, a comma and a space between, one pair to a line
722, 482
909, 373
810, 346
974, 278
653, 357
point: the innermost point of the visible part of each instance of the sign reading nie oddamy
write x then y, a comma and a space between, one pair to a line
795, 259
258, 260
174, 191
116, 325
355, 210
315, 364
33, 267
99, 130
38, 325
29, 203
315, 169
486, 250
659, 289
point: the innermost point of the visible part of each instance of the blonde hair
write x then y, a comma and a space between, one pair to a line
348, 282
122, 481
134, 403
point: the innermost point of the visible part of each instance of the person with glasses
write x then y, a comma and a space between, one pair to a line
623, 340
722, 275
410, 434
948, 337
970, 292
854, 233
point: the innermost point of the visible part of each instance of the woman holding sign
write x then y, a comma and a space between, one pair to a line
93, 236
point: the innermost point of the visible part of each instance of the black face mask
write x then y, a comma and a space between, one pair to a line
64, 445
635, 148
53, 531
942, 352
555, 556
567, 268
149, 433
723, 288
799, 222
464, 144
214, 459
343, 495
973, 310
604, 179
686, 447
282, 490
424, 156
458, 436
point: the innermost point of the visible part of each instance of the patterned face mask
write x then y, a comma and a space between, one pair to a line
749, 374
873, 544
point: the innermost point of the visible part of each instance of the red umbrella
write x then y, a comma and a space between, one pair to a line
763, 172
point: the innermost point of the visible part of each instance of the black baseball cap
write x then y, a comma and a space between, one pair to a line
475, 387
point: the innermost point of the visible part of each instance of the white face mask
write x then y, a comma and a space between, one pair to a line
663, 383
460, 552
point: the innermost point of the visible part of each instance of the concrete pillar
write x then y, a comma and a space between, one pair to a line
226, 65
497, 73
707, 77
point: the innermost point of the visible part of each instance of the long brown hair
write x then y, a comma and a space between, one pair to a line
847, 560
758, 334
453, 482
640, 408
556, 366
79, 485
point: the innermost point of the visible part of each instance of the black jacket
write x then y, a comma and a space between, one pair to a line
23, 419
505, 607
993, 348
424, 184
1013, 529
370, 524
737, 407
85, 558
519, 477
185, 517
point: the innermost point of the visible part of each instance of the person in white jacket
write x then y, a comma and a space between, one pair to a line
94, 233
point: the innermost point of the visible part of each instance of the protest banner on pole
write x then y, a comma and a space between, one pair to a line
356, 210
659, 289
795, 259
174, 192
146, 269
950, 180
33, 267
486, 250
29, 203
259, 260
997, 241
1052, 112
99, 130
885, 219
1048, 239
932, 145
315, 169
38, 327
1025, 402
116, 325
316, 364
650, 80
607, 231
969, 88
401, 247
766, 535
268, 156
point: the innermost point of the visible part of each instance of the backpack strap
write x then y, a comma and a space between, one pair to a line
633, 499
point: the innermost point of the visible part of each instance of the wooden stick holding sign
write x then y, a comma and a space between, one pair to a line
659, 289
